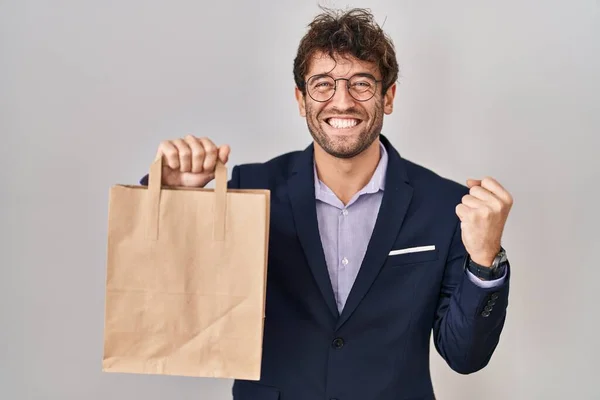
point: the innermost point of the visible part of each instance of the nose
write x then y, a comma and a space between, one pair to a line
342, 97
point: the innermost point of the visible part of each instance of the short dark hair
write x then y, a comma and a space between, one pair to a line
353, 32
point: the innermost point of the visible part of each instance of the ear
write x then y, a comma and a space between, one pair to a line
301, 103
388, 99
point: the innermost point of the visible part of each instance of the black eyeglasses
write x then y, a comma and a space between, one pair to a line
321, 88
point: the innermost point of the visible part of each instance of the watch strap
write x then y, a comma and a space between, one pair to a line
495, 271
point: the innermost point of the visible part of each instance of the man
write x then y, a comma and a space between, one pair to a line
369, 253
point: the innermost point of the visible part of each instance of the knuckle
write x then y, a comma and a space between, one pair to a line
196, 155
164, 146
209, 146
185, 153
210, 162
499, 206
486, 212
169, 151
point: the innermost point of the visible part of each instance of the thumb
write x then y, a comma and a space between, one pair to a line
473, 182
224, 153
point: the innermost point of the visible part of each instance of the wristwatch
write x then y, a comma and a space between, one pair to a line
488, 273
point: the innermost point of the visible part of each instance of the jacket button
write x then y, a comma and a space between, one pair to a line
485, 314
494, 296
338, 343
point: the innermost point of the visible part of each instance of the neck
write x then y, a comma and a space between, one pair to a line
345, 177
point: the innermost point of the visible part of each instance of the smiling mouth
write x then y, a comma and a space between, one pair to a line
342, 123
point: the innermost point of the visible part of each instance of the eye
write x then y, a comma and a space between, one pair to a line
320, 82
362, 84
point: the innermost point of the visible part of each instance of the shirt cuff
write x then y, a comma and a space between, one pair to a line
487, 284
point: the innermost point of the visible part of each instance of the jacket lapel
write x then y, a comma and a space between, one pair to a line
301, 189
394, 205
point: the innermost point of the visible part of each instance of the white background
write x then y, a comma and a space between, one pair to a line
89, 88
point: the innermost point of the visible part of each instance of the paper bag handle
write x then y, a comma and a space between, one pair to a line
220, 211
220, 203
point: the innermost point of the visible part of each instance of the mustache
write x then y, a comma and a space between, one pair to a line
349, 112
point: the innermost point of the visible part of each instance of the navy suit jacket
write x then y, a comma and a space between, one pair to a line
378, 347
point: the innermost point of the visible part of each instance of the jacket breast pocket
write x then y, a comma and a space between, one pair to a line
412, 255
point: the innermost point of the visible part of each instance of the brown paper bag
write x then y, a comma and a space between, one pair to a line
186, 279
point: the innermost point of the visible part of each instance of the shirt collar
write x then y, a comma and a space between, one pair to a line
375, 184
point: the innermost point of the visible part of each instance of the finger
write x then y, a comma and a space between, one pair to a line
197, 153
185, 155
462, 211
483, 194
224, 153
496, 188
473, 182
210, 157
472, 202
168, 152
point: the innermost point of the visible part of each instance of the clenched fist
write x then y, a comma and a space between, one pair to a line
483, 213
190, 161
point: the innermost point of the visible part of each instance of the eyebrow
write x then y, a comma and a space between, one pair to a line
361, 74
365, 75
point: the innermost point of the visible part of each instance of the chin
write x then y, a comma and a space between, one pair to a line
344, 153
343, 145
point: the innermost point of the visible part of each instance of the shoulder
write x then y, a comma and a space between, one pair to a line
426, 183
422, 176
265, 175
432, 186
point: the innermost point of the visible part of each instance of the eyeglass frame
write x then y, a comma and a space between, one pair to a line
335, 81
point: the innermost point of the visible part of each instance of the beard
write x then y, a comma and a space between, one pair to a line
345, 146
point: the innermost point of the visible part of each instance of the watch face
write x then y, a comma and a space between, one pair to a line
502, 255
499, 260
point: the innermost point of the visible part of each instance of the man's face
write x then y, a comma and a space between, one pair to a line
342, 125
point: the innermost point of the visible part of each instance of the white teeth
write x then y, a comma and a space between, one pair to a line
341, 123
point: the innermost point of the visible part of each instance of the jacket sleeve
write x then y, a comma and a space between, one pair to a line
234, 182
469, 318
